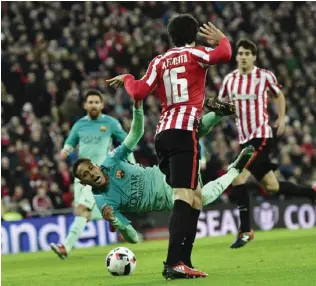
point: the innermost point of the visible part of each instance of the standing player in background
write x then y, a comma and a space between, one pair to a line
93, 133
248, 87
178, 77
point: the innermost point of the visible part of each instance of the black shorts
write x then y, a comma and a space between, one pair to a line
261, 163
178, 157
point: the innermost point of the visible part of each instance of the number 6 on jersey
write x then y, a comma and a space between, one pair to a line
176, 88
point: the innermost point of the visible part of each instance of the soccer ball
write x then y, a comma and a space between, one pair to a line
121, 261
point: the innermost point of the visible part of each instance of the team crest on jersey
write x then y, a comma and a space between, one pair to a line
119, 174
103, 128
256, 81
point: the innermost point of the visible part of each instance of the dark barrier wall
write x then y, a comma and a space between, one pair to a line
222, 219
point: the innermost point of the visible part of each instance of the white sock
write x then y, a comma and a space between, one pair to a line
76, 229
212, 190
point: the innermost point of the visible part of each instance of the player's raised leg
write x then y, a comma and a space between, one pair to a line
218, 110
271, 184
212, 190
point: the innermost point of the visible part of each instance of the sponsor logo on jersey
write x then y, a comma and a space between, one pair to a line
90, 139
244, 96
119, 174
103, 128
137, 190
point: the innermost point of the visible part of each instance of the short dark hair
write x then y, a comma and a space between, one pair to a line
247, 44
93, 92
77, 164
183, 29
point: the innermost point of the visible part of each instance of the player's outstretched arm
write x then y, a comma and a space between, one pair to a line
119, 134
70, 143
137, 126
127, 231
121, 224
137, 89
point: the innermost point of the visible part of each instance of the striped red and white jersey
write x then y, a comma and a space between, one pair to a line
249, 93
182, 88
178, 79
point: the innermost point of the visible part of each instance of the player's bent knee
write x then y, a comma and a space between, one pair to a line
239, 180
272, 188
242, 178
197, 200
270, 183
186, 195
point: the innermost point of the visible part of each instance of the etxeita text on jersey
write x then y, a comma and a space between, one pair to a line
175, 61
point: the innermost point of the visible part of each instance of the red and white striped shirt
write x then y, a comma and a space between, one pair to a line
178, 78
250, 95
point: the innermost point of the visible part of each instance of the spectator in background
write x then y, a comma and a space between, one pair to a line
5, 192
19, 198
70, 108
56, 196
41, 202
63, 177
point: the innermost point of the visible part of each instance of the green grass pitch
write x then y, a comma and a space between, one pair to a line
278, 257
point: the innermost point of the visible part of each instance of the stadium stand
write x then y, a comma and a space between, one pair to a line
52, 52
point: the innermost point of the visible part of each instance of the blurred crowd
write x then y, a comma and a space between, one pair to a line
52, 52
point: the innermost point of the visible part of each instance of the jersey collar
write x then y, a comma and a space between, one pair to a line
98, 118
254, 70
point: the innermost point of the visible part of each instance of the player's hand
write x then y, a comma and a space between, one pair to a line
211, 34
107, 213
280, 125
138, 103
116, 81
63, 155
202, 165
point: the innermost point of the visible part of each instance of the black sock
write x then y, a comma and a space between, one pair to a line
187, 245
178, 225
243, 201
290, 189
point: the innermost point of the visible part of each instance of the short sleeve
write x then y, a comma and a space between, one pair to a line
151, 75
223, 91
73, 138
273, 84
120, 153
